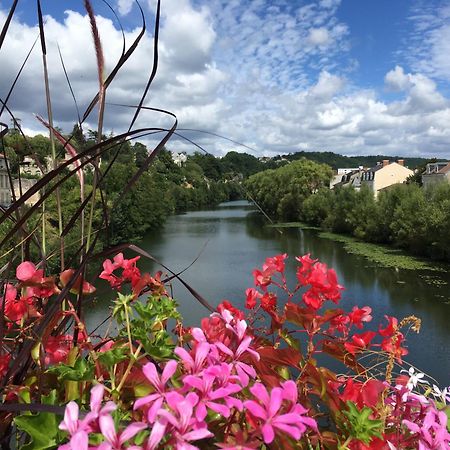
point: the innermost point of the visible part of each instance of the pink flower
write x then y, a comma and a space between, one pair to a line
77, 429
96, 404
156, 399
243, 370
197, 364
209, 394
27, 272
268, 409
114, 440
184, 427
432, 433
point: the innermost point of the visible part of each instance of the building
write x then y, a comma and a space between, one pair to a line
347, 177
436, 173
29, 167
385, 174
6, 194
25, 184
5, 189
179, 158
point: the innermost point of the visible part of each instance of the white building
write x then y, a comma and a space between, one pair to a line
5, 189
29, 167
179, 158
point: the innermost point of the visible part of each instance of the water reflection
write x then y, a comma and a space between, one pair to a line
233, 240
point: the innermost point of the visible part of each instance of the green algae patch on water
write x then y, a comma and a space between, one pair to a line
303, 226
386, 256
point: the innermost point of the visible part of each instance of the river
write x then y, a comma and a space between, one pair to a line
232, 239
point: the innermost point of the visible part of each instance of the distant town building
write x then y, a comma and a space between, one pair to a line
179, 158
29, 167
347, 177
25, 184
385, 174
5, 189
345, 171
436, 173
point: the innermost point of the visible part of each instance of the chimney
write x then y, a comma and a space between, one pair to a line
401, 162
385, 162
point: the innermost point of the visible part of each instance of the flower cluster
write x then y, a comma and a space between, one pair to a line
234, 382
210, 378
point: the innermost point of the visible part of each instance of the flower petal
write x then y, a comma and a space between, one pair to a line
131, 431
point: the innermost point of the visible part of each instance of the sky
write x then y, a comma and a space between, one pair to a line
356, 77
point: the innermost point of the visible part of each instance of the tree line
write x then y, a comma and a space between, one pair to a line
406, 216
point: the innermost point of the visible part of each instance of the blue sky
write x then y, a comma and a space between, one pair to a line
351, 76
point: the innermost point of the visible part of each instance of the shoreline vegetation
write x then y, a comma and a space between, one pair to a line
404, 217
384, 255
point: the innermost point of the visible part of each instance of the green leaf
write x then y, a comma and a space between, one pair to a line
41, 427
81, 371
112, 357
360, 426
292, 342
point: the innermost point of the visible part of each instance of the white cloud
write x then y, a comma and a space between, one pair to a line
125, 6
396, 79
428, 46
318, 36
327, 86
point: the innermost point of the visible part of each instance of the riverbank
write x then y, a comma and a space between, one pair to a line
382, 255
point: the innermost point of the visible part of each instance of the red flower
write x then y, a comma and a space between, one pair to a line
306, 265
237, 313
68, 274
262, 279
38, 285
252, 295
391, 329
215, 331
4, 363
57, 349
129, 271
394, 346
359, 342
22, 309
363, 394
339, 323
312, 298
269, 302
323, 281
275, 263
360, 315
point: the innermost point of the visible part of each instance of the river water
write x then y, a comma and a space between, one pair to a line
232, 239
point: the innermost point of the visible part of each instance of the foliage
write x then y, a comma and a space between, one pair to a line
282, 191
406, 216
